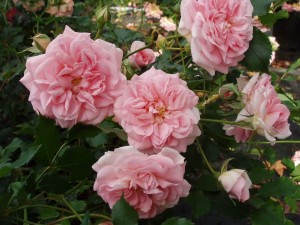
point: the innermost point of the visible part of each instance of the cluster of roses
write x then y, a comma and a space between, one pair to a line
56, 8
79, 80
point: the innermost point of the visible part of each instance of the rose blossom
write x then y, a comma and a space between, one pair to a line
141, 58
77, 79
33, 6
152, 11
236, 183
150, 184
296, 158
158, 110
64, 8
219, 31
263, 110
167, 23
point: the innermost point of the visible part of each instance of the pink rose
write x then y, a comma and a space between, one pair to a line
64, 8
167, 23
219, 31
287, 7
158, 110
33, 6
77, 79
152, 11
141, 58
236, 183
296, 158
263, 110
150, 184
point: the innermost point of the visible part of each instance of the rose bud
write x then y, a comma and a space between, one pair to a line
236, 183
41, 42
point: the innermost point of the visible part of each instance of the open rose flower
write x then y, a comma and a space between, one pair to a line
77, 79
263, 110
296, 158
236, 183
150, 184
152, 11
158, 110
62, 8
219, 31
167, 23
141, 58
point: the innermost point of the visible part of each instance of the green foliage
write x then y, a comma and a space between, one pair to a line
177, 221
261, 7
123, 213
201, 206
258, 55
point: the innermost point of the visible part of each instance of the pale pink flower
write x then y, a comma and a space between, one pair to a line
287, 7
77, 79
263, 110
152, 11
141, 58
219, 31
106, 223
33, 6
236, 183
158, 110
167, 23
296, 158
150, 184
63, 8
256, 23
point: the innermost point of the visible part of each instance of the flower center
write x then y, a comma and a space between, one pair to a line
76, 81
159, 111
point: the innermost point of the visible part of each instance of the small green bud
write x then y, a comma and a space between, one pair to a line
41, 41
102, 16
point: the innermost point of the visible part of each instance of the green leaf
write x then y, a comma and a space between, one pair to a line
177, 221
78, 162
294, 66
270, 19
14, 145
78, 205
199, 203
55, 183
258, 55
98, 140
123, 213
86, 219
207, 182
47, 213
260, 175
270, 214
261, 6
292, 201
296, 171
16, 187
289, 163
282, 186
47, 135
117, 131
5, 170
26, 156
83, 131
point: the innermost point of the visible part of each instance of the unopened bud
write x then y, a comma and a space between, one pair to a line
228, 91
102, 16
161, 41
41, 41
187, 48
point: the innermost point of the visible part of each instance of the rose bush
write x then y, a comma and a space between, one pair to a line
99, 88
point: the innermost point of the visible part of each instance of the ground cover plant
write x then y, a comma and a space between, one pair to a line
135, 112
